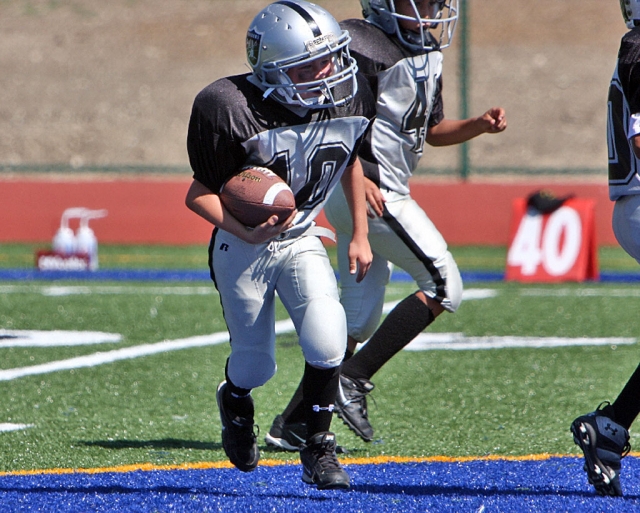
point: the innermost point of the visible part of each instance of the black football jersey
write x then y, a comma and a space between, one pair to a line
233, 126
407, 87
623, 121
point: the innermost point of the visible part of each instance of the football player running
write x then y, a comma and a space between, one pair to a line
302, 113
603, 435
398, 49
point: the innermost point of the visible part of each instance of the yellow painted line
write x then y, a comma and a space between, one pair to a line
145, 467
375, 460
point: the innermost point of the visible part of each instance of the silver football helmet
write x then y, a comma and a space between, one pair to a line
631, 12
434, 32
292, 33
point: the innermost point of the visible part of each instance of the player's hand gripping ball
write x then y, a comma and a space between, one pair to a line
255, 194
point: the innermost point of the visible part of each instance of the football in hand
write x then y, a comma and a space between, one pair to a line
255, 194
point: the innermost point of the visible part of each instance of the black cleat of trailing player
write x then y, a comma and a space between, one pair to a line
320, 465
351, 405
604, 443
286, 436
238, 437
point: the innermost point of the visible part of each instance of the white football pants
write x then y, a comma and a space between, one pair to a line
626, 224
248, 277
405, 237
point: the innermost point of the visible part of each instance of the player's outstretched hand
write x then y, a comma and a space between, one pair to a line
269, 229
360, 258
375, 199
495, 120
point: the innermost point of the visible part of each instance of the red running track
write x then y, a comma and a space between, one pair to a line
151, 210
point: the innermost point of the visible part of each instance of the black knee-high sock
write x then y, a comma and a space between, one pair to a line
627, 405
294, 412
319, 389
237, 399
399, 328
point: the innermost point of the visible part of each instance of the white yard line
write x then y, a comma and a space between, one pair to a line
467, 295
580, 292
6, 426
71, 290
182, 290
458, 342
55, 338
127, 353
424, 342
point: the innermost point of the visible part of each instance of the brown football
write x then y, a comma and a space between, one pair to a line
255, 194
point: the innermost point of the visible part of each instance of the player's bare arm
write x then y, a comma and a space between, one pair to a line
449, 131
360, 255
208, 206
374, 197
635, 144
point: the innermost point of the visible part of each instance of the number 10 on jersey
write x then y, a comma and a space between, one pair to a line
552, 247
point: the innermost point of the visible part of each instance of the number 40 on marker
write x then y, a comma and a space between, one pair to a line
554, 247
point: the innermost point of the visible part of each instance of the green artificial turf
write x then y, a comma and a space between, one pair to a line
161, 409
469, 258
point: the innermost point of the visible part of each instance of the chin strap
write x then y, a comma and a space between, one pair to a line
267, 93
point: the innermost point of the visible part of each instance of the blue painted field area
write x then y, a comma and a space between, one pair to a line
117, 381
554, 484
32, 274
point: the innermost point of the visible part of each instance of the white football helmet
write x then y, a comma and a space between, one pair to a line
292, 33
630, 12
435, 32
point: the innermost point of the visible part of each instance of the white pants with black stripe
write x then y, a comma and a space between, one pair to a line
626, 224
248, 277
404, 237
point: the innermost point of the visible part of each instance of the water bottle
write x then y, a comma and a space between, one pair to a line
86, 240
64, 241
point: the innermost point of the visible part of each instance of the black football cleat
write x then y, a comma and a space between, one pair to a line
320, 465
286, 436
604, 443
351, 405
238, 437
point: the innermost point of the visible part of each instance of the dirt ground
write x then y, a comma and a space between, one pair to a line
96, 83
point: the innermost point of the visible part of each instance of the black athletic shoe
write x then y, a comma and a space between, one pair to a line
238, 437
286, 436
604, 443
351, 405
320, 466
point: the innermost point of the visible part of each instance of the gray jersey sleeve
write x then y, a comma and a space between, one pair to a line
623, 103
232, 126
408, 89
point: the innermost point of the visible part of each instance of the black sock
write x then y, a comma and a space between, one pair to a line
627, 405
400, 327
237, 399
319, 387
294, 412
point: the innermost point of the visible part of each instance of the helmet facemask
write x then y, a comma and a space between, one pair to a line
336, 89
289, 34
434, 32
630, 12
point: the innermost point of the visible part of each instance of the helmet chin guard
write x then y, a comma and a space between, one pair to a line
434, 32
292, 33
